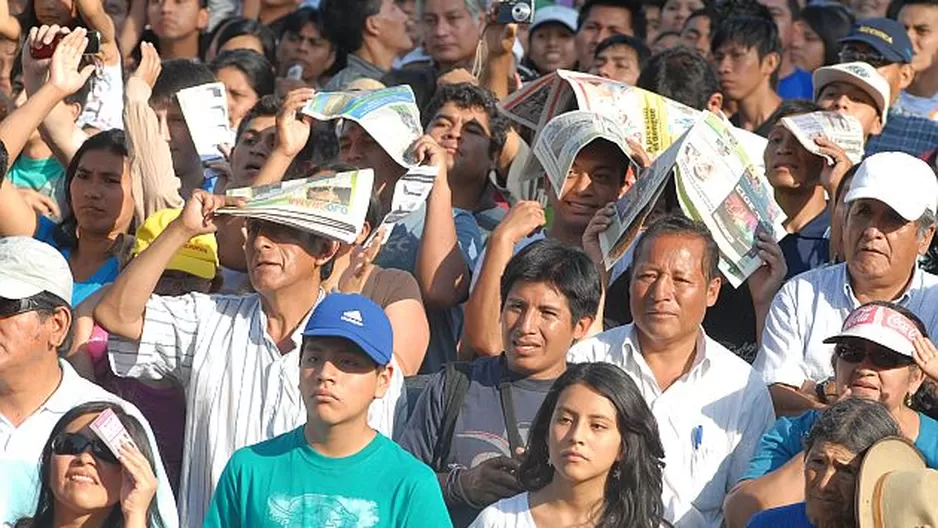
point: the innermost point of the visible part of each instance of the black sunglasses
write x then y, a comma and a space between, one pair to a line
74, 444
11, 307
880, 357
870, 57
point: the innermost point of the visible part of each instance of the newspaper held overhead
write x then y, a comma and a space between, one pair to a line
410, 192
716, 183
332, 206
843, 130
205, 109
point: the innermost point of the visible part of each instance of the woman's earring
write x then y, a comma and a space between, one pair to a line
908, 399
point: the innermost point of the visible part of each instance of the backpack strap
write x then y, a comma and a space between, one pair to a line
455, 387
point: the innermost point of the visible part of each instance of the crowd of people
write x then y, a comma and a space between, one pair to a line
477, 362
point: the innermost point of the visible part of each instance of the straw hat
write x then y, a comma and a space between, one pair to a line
894, 488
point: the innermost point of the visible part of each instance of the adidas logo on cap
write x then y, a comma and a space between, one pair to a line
353, 317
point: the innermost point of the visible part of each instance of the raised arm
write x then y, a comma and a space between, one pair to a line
132, 31
292, 135
96, 19
9, 26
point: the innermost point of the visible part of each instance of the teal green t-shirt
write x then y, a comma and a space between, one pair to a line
283, 482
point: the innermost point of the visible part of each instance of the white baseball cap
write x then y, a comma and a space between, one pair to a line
899, 180
881, 325
859, 74
29, 267
559, 14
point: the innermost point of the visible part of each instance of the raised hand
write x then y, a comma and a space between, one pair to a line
293, 128
499, 38
765, 282
63, 70
926, 357
198, 215
139, 483
523, 218
360, 263
150, 64
831, 175
598, 224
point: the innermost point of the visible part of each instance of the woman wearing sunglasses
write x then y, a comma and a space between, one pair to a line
879, 355
85, 484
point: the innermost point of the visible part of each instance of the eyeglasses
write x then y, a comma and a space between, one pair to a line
11, 307
872, 58
74, 444
880, 357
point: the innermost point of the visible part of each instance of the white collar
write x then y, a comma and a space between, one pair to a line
631, 348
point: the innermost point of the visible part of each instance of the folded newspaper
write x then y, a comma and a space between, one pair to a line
716, 183
332, 206
843, 130
205, 109
410, 193
390, 116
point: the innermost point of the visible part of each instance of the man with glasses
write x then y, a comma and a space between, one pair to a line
37, 387
884, 44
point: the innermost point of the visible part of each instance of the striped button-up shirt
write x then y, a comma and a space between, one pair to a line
240, 389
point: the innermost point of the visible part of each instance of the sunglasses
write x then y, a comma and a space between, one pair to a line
74, 444
879, 357
11, 307
872, 58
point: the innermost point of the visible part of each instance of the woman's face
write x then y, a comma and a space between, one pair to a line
50, 12
789, 165
584, 440
830, 475
807, 48
551, 48
866, 379
82, 482
101, 193
241, 95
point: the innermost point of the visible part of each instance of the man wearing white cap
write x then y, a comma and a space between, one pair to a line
855, 89
890, 222
37, 387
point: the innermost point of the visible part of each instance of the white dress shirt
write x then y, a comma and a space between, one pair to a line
240, 389
710, 420
812, 307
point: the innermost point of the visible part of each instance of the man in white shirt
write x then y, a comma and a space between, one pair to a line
36, 387
711, 407
236, 356
890, 222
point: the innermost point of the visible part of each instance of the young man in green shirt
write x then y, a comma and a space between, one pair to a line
335, 470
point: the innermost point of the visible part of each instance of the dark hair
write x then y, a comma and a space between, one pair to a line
680, 225
239, 26
831, 22
790, 107
854, 423
634, 7
632, 495
567, 269
45, 507
641, 49
259, 72
345, 21
266, 106
709, 12
749, 32
178, 74
467, 95
294, 22
680, 74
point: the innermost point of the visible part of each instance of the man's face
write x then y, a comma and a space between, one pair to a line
669, 292
830, 475
538, 329
173, 128
897, 75
280, 257
309, 49
25, 337
358, 148
338, 380
253, 147
921, 24
782, 16
392, 24
450, 33
696, 35
676, 12
552, 48
601, 23
788, 165
465, 135
851, 100
619, 63
598, 176
176, 19
740, 71
880, 245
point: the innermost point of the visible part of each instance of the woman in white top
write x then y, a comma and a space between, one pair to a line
594, 458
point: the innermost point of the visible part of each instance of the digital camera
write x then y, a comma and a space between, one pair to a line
515, 12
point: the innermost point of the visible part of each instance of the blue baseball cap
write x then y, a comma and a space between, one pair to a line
356, 318
884, 35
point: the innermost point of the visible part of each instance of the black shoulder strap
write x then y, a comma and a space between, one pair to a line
455, 387
508, 411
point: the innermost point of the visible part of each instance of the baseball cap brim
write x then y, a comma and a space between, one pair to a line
330, 331
905, 209
558, 21
887, 52
826, 76
875, 334
11, 288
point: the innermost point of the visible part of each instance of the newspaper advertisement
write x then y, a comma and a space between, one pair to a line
333, 206
410, 193
843, 130
389, 115
205, 109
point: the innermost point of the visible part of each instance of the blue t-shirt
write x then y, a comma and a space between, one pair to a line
791, 516
784, 440
45, 232
809, 248
798, 85
285, 482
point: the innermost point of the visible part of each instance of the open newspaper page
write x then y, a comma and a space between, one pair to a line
843, 130
205, 109
390, 116
718, 185
333, 206
410, 193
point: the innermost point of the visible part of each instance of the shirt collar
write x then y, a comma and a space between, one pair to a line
259, 328
914, 284
63, 398
357, 63
632, 351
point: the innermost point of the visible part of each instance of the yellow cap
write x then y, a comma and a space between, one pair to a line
199, 256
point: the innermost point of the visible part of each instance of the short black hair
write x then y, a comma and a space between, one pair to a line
567, 269
246, 26
345, 21
790, 107
680, 74
257, 69
266, 106
680, 225
749, 32
634, 7
641, 49
179, 74
831, 22
294, 22
468, 95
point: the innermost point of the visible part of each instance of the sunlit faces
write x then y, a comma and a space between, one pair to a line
338, 380
82, 482
309, 49
696, 34
740, 70
552, 47
584, 441
466, 137
598, 176
788, 164
538, 329
676, 12
921, 24
450, 32
601, 23
241, 95
391, 22
101, 193
280, 257
619, 63
830, 472
852, 100
176, 19
879, 244
255, 144
869, 381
